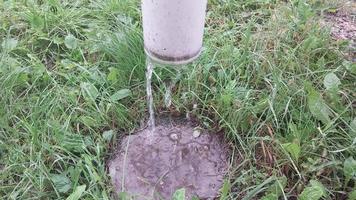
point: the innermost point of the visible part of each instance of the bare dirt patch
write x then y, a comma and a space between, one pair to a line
176, 155
343, 26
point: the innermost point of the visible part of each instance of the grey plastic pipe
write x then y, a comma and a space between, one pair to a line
173, 29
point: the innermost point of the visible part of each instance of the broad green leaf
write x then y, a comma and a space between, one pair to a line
179, 194
23, 78
123, 93
113, 75
70, 41
293, 149
332, 10
317, 106
123, 196
350, 66
9, 44
107, 135
276, 189
88, 141
331, 81
89, 165
75, 172
270, 196
37, 21
225, 189
61, 182
295, 132
104, 194
314, 191
195, 198
261, 105
57, 40
72, 142
259, 188
67, 64
9, 63
352, 195
78, 192
349, 168
89, 91
90, 120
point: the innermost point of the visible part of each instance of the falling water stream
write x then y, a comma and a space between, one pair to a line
156, 161
168, 93
169, 87
149, 71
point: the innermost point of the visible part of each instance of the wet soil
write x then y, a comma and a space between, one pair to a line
153, 165
343, 26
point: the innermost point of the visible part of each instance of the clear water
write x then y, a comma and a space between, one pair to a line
169, 87
168, 95
149, 71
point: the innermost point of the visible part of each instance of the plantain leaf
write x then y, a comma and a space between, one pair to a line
349, 168
70, 41
293, 149
9, 44
317, 106
78, 192
179, 194
89, 91
331, 81
123, 93
61, 182
314, 191
225, 190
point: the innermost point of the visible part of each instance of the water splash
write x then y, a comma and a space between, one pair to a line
168, 95
149, 71
169, 87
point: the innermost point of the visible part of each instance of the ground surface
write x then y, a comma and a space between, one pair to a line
175, 155
271, 76
343, 25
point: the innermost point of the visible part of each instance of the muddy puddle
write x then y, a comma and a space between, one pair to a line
176, 155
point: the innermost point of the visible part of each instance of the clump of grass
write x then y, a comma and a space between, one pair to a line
60, 109
72, 76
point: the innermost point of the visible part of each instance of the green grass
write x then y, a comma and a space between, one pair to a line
269, 76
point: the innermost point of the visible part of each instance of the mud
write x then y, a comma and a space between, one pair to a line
174, 156
343, 26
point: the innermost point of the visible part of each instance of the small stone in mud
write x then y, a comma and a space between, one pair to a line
196, 133
173, 136
172, 160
